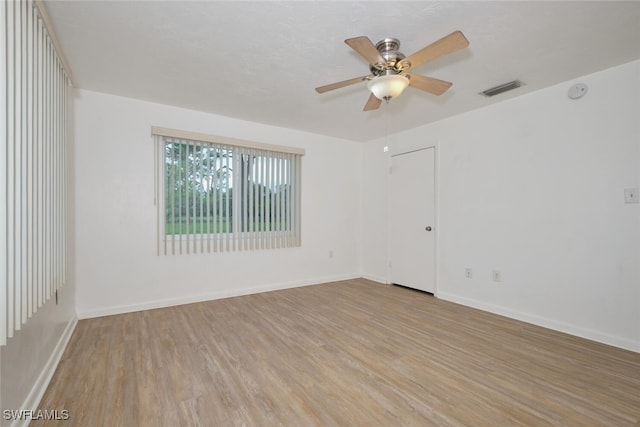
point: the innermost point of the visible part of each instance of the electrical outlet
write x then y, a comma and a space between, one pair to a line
631, 195
468, 273
497, 276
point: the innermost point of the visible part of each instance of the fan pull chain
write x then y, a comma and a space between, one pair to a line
386, 119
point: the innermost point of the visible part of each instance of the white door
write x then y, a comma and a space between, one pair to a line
411, 220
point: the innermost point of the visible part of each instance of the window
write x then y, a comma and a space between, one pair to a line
219, 194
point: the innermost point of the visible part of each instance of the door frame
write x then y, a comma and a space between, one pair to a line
436, 203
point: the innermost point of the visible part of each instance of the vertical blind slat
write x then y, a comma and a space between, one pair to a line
30, 159
264, 189
193, 198
39, 131
162, 194
17, 166
4, 107
65, 182
245, 159
258, 200
278, 174
291, 160
217, 198
274, 203
181, 180
11, 125
21, 223
186, 196
282, 199
252, 182
34, 111
156, 189
269, 204
173, 201
226, 196
288, 198
208, 195
49, 158
156, 148
201, 183
45, 170
214, 197
54, 180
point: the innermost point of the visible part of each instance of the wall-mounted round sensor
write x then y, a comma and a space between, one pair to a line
578, 90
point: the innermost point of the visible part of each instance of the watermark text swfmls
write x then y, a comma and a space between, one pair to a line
38, 414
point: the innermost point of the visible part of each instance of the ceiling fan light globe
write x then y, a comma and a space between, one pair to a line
389, 86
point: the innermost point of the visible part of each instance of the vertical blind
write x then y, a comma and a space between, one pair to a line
222, 196
34, 111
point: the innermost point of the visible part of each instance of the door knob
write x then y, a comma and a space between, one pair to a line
428, 228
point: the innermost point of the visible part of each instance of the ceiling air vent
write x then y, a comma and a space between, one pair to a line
502, 88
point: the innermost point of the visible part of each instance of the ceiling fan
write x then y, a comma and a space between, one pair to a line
388, 66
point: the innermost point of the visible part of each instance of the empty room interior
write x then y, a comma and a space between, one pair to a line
320, 213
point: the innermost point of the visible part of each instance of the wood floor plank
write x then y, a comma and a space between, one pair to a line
352, 353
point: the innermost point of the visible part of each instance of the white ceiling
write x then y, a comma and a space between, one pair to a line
261, 60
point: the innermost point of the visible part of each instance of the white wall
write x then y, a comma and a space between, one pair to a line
533, 187
117, 266
30, 358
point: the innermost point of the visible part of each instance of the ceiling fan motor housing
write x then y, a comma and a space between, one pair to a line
388, 49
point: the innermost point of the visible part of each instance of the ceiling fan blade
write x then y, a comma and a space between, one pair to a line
428, 84
448, 44
365, 48
338, 85
373, 103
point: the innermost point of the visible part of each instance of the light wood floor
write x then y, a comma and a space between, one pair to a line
351, 353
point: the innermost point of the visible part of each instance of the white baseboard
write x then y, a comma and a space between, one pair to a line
42, 382
189, 299
589, 334
378, 279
